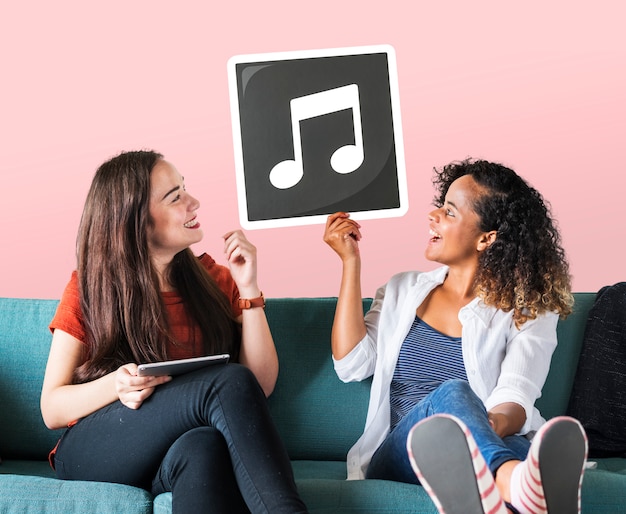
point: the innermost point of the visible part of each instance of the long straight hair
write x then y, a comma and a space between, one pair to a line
122, 308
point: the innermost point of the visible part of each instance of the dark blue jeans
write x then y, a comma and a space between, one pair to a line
206, 436
455, 397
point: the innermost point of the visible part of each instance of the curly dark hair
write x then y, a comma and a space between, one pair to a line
525, 269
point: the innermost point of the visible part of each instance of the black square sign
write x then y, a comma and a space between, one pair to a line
317, 132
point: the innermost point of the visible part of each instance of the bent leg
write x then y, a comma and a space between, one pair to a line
117, 444
456, 398
198, 471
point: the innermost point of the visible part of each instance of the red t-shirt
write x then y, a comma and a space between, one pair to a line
69, 318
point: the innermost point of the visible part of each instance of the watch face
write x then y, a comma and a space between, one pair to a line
316, 132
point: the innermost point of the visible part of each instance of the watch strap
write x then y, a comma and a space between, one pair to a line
249, 303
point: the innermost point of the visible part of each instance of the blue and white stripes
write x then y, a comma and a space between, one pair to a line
427, 359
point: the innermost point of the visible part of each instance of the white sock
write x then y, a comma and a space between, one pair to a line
526, 489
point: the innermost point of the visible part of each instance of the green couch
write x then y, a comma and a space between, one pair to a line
318, 416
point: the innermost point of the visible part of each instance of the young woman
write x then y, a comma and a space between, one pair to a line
472, 339
139, 295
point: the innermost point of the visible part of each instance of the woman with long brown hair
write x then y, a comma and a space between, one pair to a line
139, 295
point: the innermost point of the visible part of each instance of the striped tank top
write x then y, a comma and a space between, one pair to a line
427, 359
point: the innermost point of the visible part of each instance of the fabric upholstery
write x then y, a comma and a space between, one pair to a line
318, 416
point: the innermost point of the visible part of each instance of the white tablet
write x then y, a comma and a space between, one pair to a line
177, 367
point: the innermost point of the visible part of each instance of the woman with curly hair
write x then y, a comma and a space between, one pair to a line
459, 355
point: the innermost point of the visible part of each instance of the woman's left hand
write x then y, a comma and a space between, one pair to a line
507, 418
257, 351
133, 390
241, 256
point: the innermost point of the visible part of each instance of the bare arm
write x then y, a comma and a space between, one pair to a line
63, 402
258, 352
342, 234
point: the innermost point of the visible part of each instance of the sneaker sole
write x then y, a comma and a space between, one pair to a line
562, 457
442, 460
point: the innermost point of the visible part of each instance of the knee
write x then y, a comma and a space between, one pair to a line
456, 389
238, 381
195, 455
238, 375
455, 397
200, 440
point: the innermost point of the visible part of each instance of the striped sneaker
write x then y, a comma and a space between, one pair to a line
451, 468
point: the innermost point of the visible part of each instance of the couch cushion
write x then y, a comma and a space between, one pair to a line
556, 391
318, 416
604, 492
22, 494
324, 490
24, 346
327, 496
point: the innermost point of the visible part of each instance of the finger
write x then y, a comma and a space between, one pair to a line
339, 223
235, 236
354, 232
132, 400
234, 253
138, 396
334, 217
130, 383
125, 377
234, 243
146, 393
241, 253
229, 237
342, 221
231, 233
131, 368
154, 381
230, 247
348, 228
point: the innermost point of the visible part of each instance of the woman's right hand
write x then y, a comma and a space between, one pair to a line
131, 389
343, 234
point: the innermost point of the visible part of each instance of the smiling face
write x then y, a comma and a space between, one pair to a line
173, 224
455, 237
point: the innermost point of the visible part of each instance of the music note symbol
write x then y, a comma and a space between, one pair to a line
345, 159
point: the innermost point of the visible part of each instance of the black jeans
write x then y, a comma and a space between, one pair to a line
206, 436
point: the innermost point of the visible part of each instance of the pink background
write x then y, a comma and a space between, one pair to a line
539, 86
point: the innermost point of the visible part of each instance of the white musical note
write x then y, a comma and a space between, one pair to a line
346, 159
